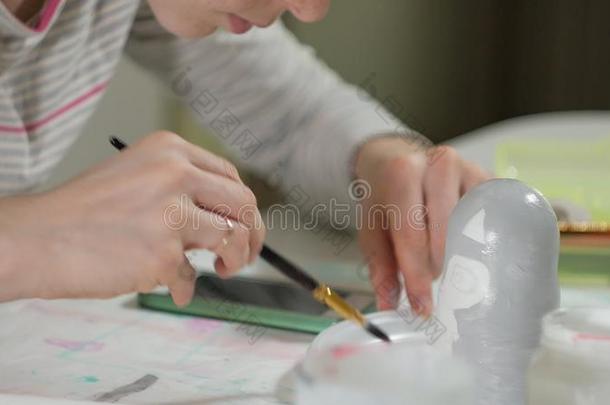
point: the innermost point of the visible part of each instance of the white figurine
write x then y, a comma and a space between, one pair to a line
500, 279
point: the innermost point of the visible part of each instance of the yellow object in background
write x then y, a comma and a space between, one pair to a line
572, 175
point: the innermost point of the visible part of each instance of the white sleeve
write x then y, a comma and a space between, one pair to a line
280, 110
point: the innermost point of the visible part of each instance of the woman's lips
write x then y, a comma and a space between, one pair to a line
238, 25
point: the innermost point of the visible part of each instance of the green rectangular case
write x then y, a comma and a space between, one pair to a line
242, 313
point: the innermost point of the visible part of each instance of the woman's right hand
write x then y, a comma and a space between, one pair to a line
123, 226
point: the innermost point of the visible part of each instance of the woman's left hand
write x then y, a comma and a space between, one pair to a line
413, 191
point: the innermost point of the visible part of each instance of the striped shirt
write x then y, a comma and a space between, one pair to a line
282, 112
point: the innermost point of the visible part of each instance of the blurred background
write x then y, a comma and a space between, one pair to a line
444, 67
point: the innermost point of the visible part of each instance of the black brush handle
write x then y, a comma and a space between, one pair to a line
117, 143
288, 269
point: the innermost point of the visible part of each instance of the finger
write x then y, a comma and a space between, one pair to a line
182, 284
218, 194
252, 219
207, 230
230, 240
198, 228
234, 251
236, 201
255, 232
410, 243
442, 191
208, 161
199, 157
472, 175
376, 245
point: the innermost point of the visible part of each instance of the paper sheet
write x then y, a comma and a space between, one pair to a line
112, 351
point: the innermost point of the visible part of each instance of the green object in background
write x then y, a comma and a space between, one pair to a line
247, 314
242, 313
570, 171
584, 266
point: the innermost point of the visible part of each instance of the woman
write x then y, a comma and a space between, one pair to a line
104, 234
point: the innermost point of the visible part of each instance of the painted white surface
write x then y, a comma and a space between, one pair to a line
464, 284
474, 229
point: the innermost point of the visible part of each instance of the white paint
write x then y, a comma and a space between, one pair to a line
475, 228
464, 284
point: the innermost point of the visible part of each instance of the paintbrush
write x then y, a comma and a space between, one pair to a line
320, 292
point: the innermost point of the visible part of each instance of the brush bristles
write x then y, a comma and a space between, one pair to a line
375, 331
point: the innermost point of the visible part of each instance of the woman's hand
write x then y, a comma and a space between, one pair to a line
416, 188
124, 225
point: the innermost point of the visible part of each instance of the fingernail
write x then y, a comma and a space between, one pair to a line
426, 303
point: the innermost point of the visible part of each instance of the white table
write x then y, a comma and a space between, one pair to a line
86, 349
